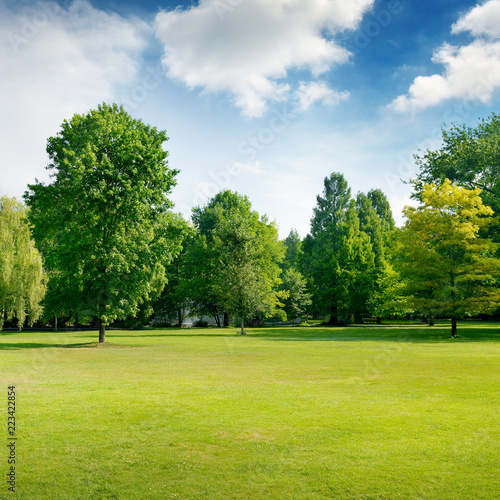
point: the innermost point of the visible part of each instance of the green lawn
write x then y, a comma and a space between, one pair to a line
368, 412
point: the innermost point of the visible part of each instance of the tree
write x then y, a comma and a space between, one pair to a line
322, 246
338, 256
450, 269
174, 300
297, 299
101, 223
358, 270
22, 279
295, 286
370, 223
389, 297
203, 260
382, 207
470, 158
242, 256
293, 251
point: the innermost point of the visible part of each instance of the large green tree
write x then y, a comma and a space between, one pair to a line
450, 269
469, 157
102, 222
338, 256
202, 265
321, 247
239, 255
22, 279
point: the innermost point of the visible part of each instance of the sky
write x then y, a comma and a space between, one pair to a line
263, 97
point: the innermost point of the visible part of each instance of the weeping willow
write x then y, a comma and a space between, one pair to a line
22, 282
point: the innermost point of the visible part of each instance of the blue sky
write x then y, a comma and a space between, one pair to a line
264, 97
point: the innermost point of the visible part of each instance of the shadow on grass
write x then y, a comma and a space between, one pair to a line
359, 333
35, 345
392, 332
374, 334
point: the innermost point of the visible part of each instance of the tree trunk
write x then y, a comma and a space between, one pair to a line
102, 332
217, 317
55, 322
243, 327
179, 316
226, 319
453, 327
453, 298
431, 321
333, 316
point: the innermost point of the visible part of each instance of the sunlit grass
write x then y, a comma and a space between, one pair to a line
390, 411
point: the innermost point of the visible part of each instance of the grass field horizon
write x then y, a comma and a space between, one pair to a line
364, 412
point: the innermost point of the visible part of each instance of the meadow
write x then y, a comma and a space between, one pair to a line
396, 411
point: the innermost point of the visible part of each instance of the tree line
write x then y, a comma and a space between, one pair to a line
101, 241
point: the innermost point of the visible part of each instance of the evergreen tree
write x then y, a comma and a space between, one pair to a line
338, 256
293, 251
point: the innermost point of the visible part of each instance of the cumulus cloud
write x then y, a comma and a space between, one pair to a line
481, 20
55, 62
309, 93
247, 48
471, 72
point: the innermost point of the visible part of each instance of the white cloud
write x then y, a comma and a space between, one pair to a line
56, 62
312, 92
246, 47
481, 20
471, 72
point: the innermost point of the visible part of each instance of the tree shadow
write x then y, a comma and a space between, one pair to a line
415, 333
389, 333
14, 346
439, 334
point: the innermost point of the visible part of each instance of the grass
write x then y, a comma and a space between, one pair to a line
368, 412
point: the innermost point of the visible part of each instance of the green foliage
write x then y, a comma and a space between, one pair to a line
102, 223
470, 158
297, 299
249, 253
202, 263
234, 262
389, 297
382, 207
450, 269
339, 257
22, 279
371, 224
293, 251
174, 301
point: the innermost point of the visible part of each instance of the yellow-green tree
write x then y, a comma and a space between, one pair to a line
450, 269
22, 284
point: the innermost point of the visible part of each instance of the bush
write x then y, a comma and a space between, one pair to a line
200, 323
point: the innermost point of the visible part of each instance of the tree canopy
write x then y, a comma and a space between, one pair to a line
469, 157
341, 251
102, 222
240, 254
